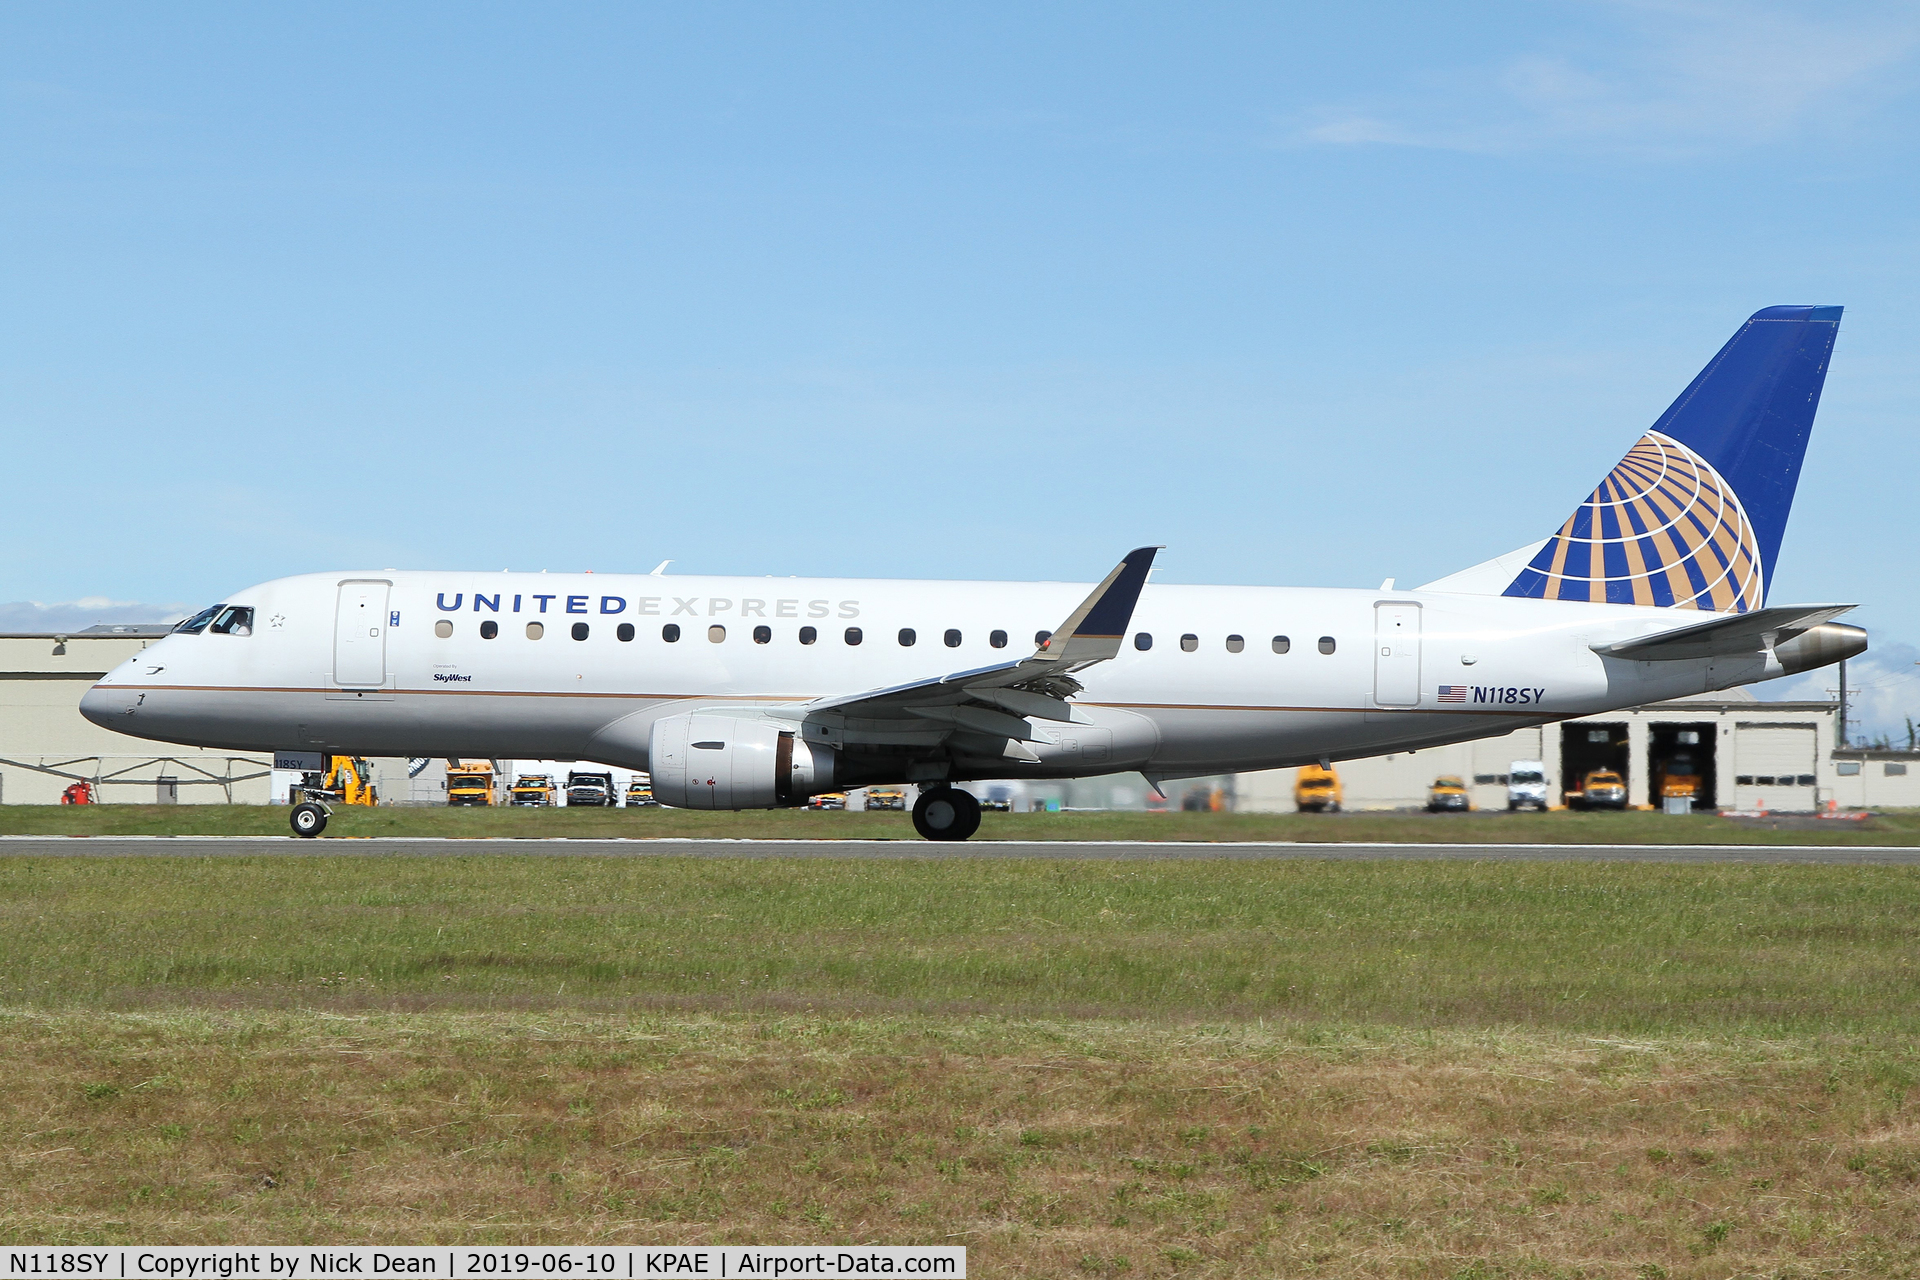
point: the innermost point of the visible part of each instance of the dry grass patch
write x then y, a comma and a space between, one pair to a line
1050, 1148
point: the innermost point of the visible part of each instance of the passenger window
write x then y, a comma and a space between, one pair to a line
716, 633
907, 637
1236, 643
671, 633
762, 635
535, 630
854, 635
624, 631
1041, 637
234, 622
997, 639
442, 628
489, 629
1281, 644
1189, 642
808, 635
952, 638
1142, 641
579, 631
1326, 644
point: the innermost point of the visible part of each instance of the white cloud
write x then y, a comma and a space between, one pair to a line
1686, 78
76, 615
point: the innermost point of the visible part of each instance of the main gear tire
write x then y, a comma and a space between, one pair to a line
946, 813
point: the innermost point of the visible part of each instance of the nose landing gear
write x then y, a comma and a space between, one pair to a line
946, 813
308, 820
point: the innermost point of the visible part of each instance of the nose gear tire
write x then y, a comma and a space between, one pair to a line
946, 813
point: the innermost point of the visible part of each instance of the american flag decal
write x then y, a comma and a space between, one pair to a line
1453, 693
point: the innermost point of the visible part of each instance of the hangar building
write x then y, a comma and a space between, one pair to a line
1749, 755
46, 745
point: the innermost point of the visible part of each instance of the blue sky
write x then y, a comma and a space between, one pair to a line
1312, 294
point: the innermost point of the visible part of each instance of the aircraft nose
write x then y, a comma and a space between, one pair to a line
104, 705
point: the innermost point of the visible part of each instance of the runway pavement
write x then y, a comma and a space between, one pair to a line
1141, 850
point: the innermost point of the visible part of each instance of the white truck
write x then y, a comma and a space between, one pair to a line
1526, 785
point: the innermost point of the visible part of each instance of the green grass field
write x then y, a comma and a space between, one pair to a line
1897, 828
1618, 948
1423, 1069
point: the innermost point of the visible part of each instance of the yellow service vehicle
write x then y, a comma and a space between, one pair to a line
828, 800
640, 792
1316, 790
534, 789
1448, 794
886, 798
1679, 779
1604, 789
470, 782
346, 780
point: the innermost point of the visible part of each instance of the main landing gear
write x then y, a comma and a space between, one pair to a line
308, 819
946, 813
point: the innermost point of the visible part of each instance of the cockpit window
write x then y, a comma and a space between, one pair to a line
236, 621
198, 622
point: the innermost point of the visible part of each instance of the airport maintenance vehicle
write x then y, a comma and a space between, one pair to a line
470, 782
886, 798
1316, 790
590, 789
344, 780
534, 790
1678, 779
1527, 785
640, 793
1600, 789
1448, 794
827, 800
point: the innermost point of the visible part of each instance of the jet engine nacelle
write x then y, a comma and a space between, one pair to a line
1820, 646
723, 762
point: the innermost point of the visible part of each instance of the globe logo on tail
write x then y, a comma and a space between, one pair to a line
1664, 529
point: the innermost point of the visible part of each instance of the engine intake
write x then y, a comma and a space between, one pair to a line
724, 762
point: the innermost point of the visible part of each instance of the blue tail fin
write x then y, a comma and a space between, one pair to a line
1693, 515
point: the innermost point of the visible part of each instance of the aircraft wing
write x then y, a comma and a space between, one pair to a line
1743, 633
996, 701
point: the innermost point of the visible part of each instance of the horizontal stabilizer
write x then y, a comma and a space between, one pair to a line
1745, 633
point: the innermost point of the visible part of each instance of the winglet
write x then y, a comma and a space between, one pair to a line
1092, 633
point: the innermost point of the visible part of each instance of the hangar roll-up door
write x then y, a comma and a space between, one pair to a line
1777, 756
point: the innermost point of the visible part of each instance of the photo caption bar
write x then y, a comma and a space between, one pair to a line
613, 1262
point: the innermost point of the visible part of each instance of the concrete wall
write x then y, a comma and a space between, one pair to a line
1877, 779
45, 743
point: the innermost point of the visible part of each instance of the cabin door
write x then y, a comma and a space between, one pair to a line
1396, 655
360, 634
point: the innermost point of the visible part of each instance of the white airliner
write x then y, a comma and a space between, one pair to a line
741, 693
